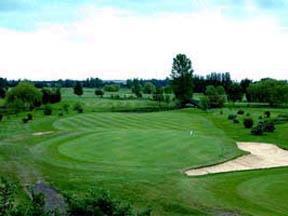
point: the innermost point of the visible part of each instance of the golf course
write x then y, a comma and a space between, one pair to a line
141, 157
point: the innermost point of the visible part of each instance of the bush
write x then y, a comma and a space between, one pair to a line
25, 120
99, 92
258, 130
96, 203
60, 114
116, 96
240, 112
66, 107
221, 112
24, 96
29, 116
269, 126
204, 103
260, 117
10, 205
247, 114
51, 96
248, 122
1, 117
78, 108
167, 98
216, 96
47, 110
111, 88
236, 121
267, 114
232, 117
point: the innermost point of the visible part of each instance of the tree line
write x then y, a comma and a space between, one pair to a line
216, 87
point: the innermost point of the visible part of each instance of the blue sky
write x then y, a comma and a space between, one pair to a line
27, 14
219, 35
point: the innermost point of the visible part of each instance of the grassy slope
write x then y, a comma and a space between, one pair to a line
140, 157
263, 192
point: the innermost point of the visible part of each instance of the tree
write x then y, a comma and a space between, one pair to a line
270, 91
234, 92
24, 96
78, 90
2, 93
99, 92
129, 83
51, 96
149, 88
181, 79
204, 103
245, 83
111, 88
136, 88
248, 122
158, 95
216, 96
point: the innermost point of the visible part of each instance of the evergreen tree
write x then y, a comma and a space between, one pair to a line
78, 90
181, 79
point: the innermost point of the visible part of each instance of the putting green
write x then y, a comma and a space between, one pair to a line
143, 148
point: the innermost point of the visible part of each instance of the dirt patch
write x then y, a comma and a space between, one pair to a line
42, 133
262, 156
53, 200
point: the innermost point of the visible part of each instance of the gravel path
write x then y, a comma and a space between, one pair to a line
262, 156
53, 200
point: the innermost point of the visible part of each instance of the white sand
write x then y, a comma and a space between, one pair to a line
42, 133
261, 156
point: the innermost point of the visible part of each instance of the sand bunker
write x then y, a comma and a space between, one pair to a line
261, 156
42, 133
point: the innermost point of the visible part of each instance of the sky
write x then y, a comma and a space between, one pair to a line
120, 39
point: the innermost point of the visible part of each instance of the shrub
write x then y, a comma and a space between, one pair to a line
247, 114
1, 117
99, 92
240, 112
66, 107
248, 122
47, 110
101, 204
167, 98
24, 96
138, 94
25, 120
60, 114
269, 126
221, 112
115, 96
78, 107
51, 96
236, 121
258, 130
204, 103
29, 116
267, 114
232, 117
260, 117
216, 96
111, 88
149, 88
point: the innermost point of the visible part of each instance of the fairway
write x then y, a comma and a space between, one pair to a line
142, 158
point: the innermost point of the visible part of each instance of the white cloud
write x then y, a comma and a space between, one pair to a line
115, 44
